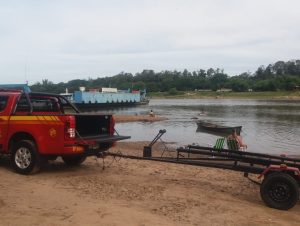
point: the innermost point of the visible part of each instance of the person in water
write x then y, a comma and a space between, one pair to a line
151, 113
239, 140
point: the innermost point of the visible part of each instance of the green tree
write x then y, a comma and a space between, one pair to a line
173, 91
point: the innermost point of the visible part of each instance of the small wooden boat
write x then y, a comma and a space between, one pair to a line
211, 127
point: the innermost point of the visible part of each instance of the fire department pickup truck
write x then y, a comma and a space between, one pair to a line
35, 127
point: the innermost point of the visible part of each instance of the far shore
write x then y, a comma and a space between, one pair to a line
279, 95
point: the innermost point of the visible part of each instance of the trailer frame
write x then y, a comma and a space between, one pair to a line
281, 174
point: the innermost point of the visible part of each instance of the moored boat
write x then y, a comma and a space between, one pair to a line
215, 128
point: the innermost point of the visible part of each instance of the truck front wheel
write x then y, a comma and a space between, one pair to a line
73, 160
279, 191
25, 158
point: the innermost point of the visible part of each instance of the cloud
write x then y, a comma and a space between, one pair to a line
63, 40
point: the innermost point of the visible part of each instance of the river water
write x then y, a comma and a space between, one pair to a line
268, 126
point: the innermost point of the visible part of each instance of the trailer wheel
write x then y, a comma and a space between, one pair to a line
25, 158
279, 191
73, 160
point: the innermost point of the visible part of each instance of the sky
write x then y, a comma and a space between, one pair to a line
62, 40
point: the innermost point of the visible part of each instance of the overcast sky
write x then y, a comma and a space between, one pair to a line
61, 40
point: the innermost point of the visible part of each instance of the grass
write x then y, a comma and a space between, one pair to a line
278, 95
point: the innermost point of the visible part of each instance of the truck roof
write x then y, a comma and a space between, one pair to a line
23, 87
17, 91
11, 91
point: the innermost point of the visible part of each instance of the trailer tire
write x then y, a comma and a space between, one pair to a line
279, 191
25, 158
73, 160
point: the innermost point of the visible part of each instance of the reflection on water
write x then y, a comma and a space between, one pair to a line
268, 126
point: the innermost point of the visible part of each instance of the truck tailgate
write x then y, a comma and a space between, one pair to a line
105, 138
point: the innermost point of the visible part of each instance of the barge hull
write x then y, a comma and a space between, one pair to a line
91, 106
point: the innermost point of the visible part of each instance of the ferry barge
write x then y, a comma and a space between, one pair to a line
106, 98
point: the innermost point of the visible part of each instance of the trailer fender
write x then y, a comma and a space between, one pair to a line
281, 168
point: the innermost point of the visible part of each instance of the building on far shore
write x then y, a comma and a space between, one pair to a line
224, 90
203, 90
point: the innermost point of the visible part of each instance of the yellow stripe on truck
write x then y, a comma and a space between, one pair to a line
35, 120
3, 120
24, 118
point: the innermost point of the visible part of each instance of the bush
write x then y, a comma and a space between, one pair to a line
173, 91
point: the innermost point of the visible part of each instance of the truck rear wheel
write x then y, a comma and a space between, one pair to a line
73, 160
25, 158
279, 191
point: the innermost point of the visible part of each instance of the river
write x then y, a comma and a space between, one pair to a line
268, 126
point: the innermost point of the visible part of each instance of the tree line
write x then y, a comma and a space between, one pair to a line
278, 76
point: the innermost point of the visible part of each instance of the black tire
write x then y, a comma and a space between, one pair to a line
73, 160
279, 191
25, 158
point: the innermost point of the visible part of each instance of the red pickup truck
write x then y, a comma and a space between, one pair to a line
38, 126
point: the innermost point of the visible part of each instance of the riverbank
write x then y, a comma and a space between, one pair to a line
138, 118
279, 95
134, 192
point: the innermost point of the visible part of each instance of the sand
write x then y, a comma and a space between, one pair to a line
133, 192
138, 118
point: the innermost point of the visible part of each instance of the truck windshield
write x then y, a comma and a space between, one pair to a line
3, 102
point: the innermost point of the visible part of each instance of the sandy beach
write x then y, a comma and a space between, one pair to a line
135, 193
138, 118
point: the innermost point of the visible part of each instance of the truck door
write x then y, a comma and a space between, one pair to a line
38, 115
4, 116
51, 130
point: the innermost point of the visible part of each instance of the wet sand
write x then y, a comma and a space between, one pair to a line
134, 192
138, 118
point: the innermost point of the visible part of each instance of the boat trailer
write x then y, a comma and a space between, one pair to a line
281, 174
